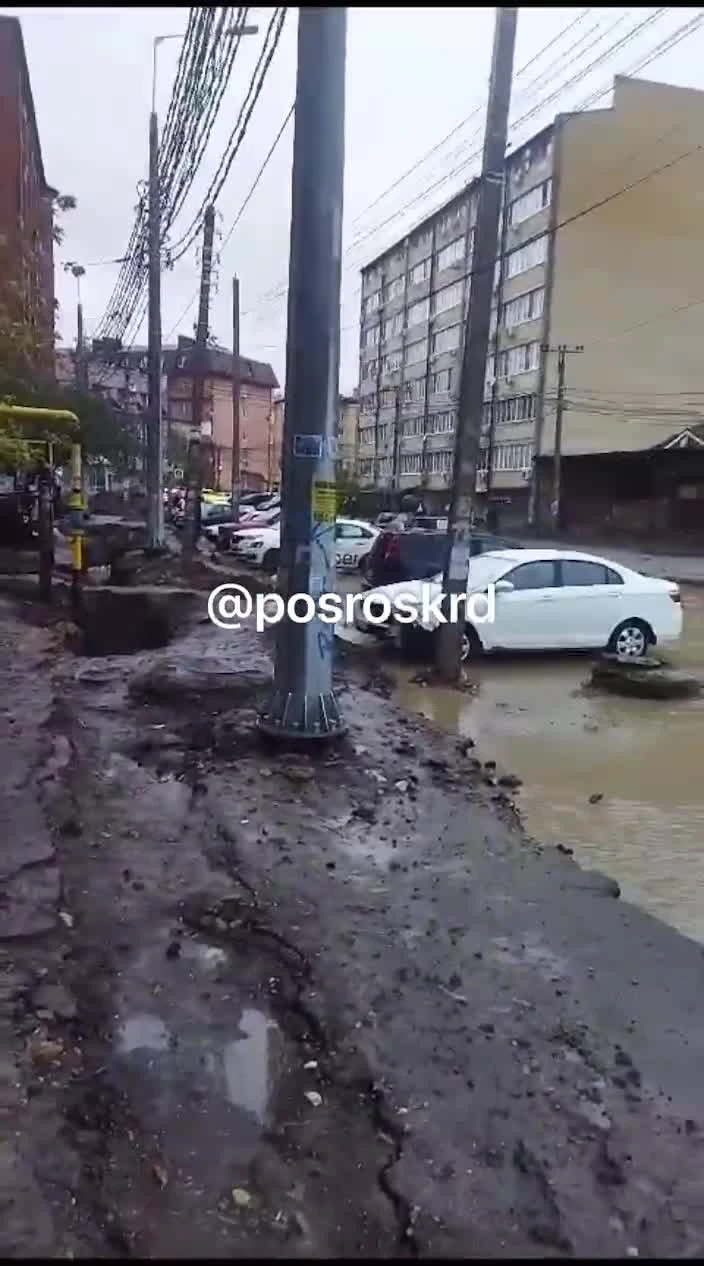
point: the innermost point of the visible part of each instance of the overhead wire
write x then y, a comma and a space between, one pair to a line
280, 291
240, 213
270, 45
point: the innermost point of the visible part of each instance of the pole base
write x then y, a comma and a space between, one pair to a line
295, 715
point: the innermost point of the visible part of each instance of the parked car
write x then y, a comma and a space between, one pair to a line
224, 533
353, 541
260, 548
417, 554
552, 600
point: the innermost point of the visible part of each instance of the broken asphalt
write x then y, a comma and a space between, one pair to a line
274, 1004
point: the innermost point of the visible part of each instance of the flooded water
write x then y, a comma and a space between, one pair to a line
643, 758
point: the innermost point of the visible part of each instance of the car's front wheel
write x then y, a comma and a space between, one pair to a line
631, 639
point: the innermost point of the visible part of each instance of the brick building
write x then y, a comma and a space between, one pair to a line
26, 201
260, 449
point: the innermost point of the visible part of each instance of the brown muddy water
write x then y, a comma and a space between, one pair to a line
645, 759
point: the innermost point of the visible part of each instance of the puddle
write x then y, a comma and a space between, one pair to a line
143, 1032
246, 1064
204, 1061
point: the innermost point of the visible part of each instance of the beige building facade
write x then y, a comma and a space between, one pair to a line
601, 237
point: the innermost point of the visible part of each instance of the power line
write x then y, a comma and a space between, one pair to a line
240, 213
271, 42
280, 291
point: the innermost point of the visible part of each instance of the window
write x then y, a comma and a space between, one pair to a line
441, 382
576, 572
392, 326
418, 312
527, 307
384, 467
448, 297
371, 337
416, 352
531, 202
422, 241
441, 423
391, 363
420, 272
395, 289
440, 463
371, 281
382, 433
370, 369
451, 219
512, 409
387, 397
412, 426
518, 360
451, 255
446, 340
349, 532
540, 575
414, 390
527, 257
366, 467
372, 303
366, 435
512, 457
411, 463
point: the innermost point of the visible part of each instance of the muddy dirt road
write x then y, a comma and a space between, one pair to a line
342, 1006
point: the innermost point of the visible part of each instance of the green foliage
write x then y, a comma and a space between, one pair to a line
62, 202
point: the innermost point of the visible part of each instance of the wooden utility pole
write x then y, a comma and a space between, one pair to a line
198, 361
236, 385
476, 345
563, 351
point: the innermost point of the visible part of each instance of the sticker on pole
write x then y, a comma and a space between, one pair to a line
324, 501
308, 446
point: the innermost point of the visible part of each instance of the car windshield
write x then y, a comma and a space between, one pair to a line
488, 567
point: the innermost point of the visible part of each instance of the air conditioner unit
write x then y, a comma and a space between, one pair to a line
510, 332
508, 382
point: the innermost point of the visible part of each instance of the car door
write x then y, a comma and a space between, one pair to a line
523, 616
590, 604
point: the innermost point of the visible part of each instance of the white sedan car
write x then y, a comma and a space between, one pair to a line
260, 548
353, 542
543, 600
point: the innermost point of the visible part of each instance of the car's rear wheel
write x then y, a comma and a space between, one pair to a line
270, 561
631, 639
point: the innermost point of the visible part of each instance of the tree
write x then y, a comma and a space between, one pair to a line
61, 203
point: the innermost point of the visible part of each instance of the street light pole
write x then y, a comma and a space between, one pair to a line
302, 704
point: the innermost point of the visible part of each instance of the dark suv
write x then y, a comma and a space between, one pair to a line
417, 555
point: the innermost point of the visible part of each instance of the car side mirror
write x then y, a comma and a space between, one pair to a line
503, 586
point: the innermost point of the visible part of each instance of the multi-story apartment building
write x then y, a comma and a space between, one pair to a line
26, 205
260, 446
602, 227
348, 434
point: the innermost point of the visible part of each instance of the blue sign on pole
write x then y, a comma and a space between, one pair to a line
308, 446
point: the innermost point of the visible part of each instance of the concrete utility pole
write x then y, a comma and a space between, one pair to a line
302, 704
155, 443
499, 317
198, 359
476, 344
236, 486
81, 375
563, 351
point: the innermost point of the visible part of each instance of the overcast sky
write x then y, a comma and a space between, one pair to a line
413, 77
